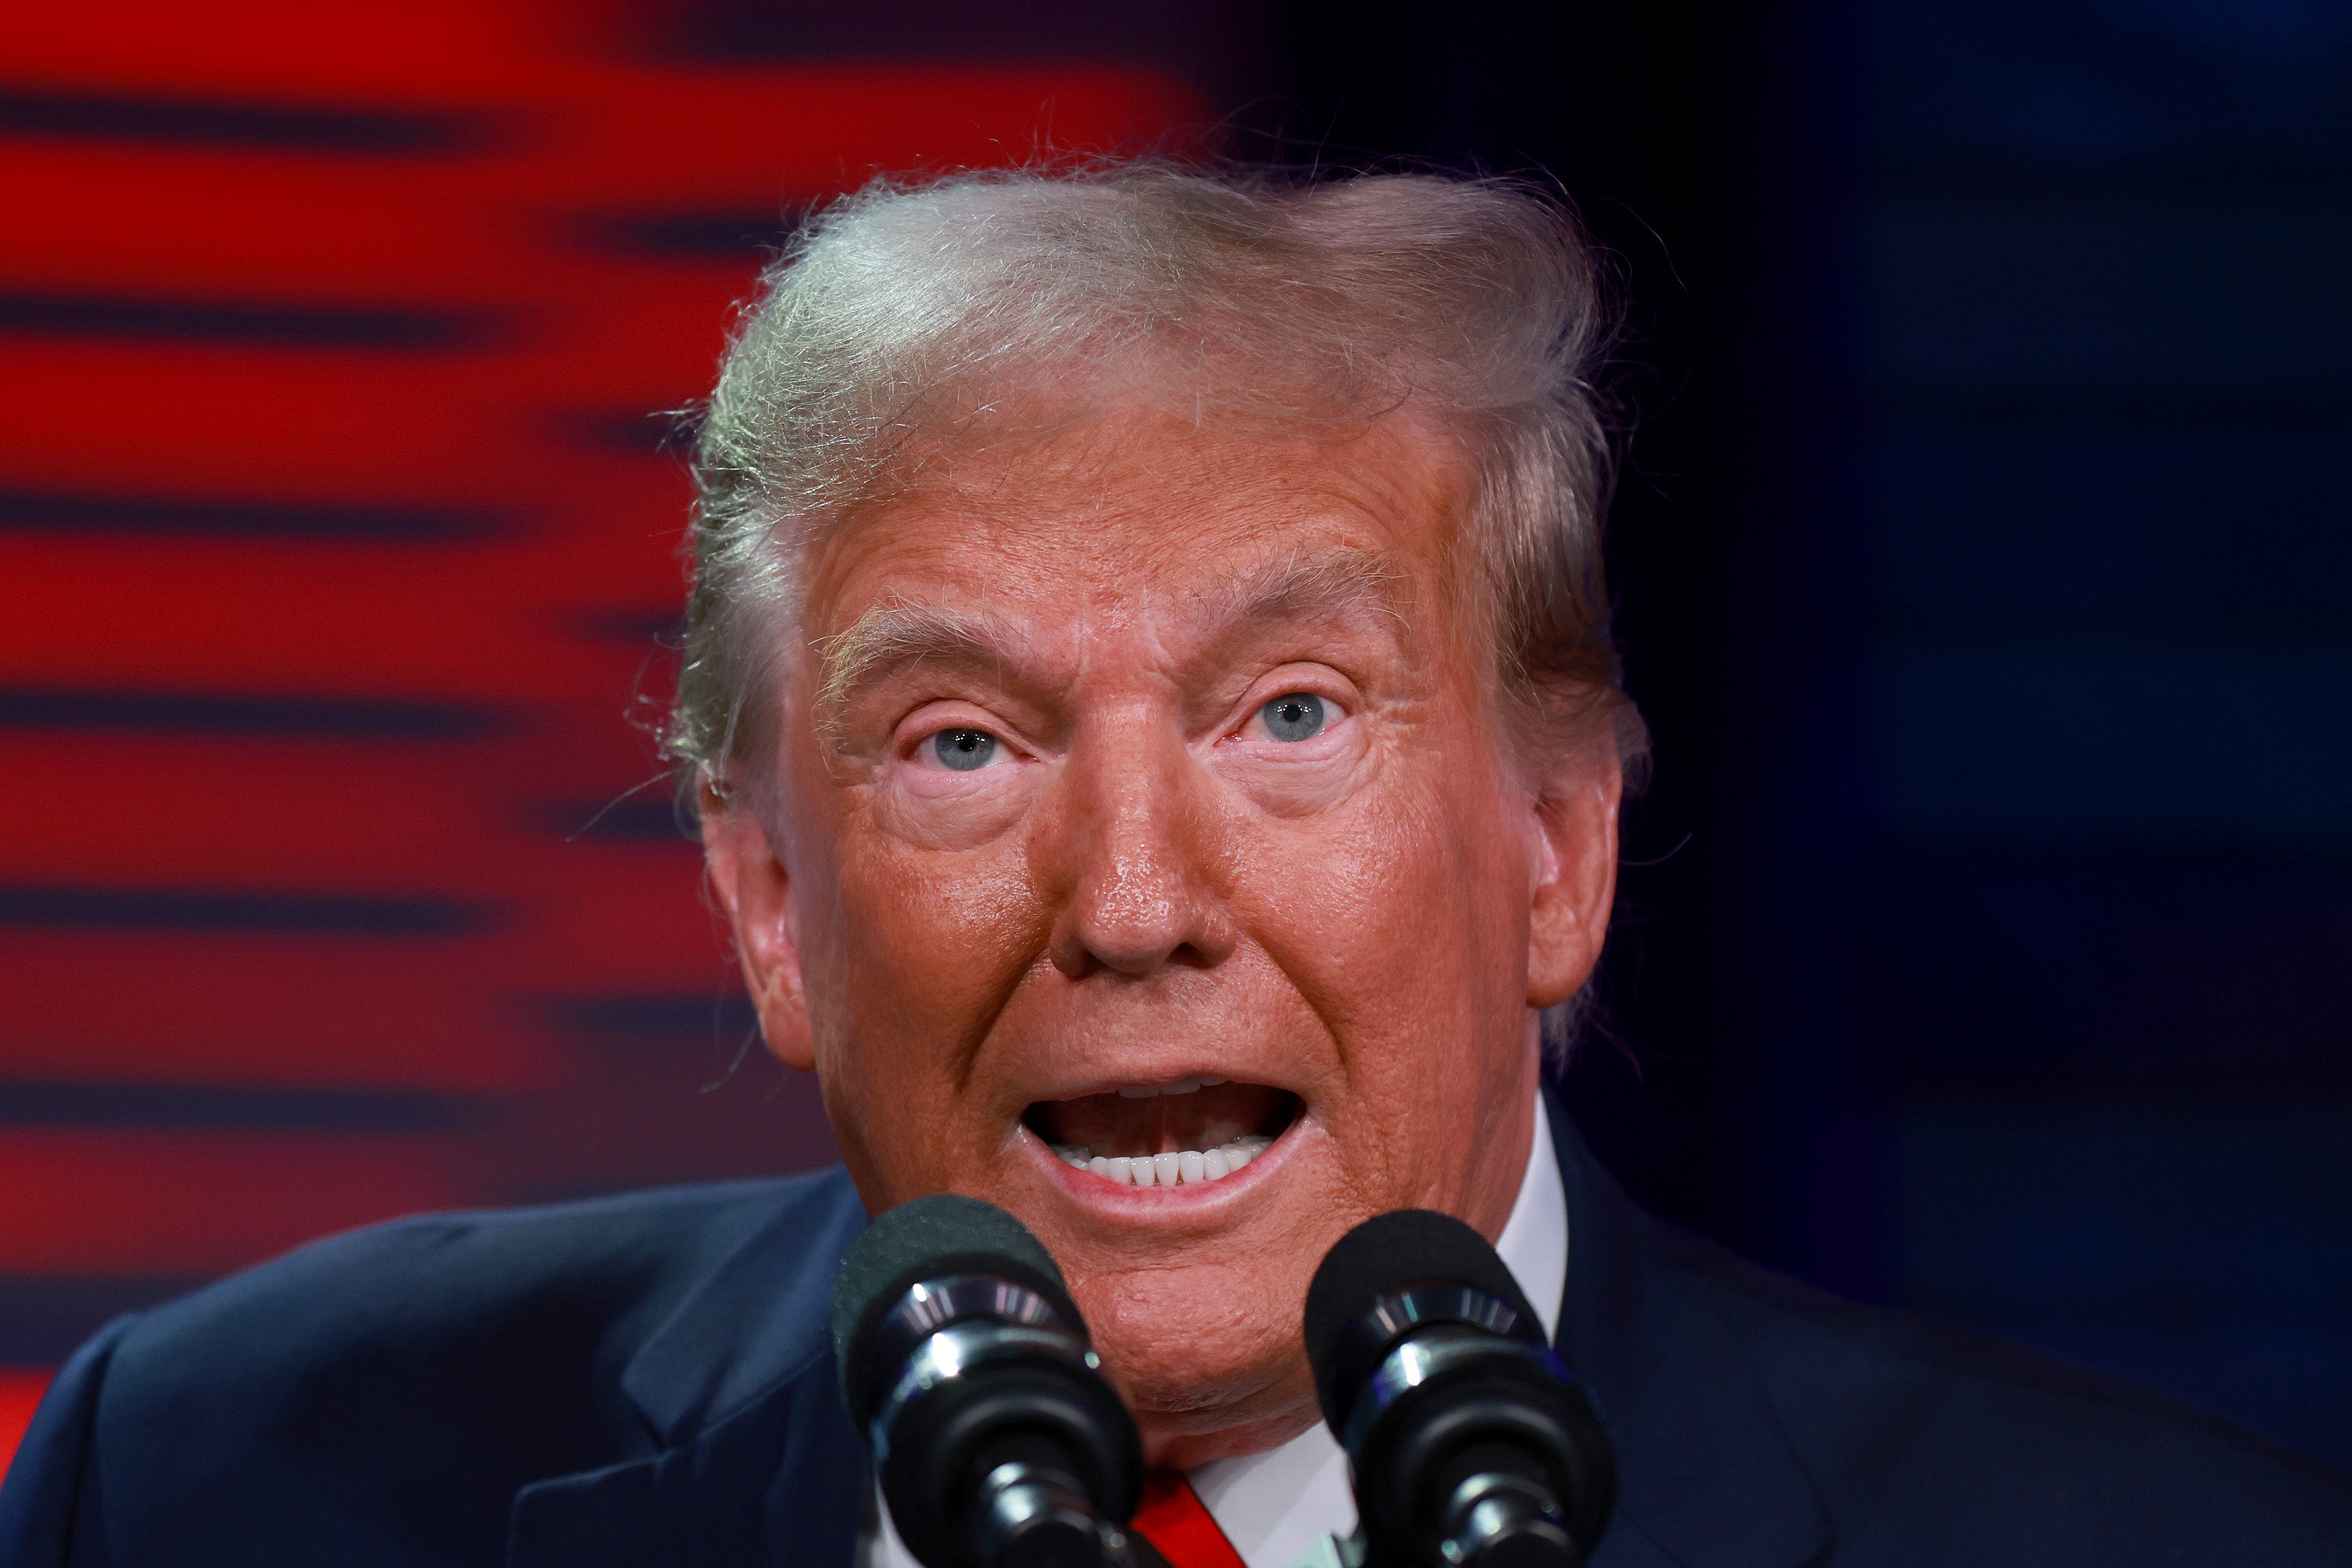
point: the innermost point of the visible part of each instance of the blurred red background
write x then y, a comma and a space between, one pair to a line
339, 527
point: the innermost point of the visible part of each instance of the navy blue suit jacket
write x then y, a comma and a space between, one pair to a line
647, 1380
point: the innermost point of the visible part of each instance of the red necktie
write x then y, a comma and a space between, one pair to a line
1173, 1517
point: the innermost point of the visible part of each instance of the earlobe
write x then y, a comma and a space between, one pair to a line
755, 891
785, 1020
1575, 882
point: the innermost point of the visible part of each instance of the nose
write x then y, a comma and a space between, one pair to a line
1130, 847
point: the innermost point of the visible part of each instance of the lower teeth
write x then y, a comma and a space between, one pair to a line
1181, 1168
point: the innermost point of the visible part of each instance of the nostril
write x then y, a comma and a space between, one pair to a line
1197, 936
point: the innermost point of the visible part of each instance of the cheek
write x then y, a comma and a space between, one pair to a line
927, 929
1405, 931
926, 948
1381, 913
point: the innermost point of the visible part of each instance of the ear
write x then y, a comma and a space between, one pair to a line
1575, 870
754, 889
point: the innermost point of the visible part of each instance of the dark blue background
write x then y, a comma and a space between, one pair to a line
1985, 562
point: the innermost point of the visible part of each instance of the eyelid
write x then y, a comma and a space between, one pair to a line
914, 732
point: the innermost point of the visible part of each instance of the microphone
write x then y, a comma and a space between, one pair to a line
1469, 1444
967, 1365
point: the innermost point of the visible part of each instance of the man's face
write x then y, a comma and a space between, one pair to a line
1145, 794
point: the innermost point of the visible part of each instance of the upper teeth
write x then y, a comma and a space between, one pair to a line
1181, 1085
1170, 1170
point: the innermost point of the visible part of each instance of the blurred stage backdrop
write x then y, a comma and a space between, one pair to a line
1984, 553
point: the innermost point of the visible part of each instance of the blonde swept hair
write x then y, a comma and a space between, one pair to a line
907, 309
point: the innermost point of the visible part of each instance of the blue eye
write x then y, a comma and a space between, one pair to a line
1295, 716
963, 749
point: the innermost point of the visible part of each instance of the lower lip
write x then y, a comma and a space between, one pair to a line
1131, 1201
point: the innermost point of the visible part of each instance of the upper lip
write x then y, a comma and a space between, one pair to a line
1083, 1088
1186, 1084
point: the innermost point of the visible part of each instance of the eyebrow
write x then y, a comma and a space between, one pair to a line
1334, 582
892, 636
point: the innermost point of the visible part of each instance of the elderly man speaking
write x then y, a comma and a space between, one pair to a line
1150, 705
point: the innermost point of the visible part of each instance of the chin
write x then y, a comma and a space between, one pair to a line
1203, 1348
1210, 1398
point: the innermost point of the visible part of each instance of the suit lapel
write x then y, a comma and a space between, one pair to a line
1706, 1476
757, 1464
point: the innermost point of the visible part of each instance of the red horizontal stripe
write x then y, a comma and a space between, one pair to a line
202, 1203
301, 815
419, 52
177, 223
700, 139
323, 1012
499, 428
220, 420
623, 917
635, 335
343, 620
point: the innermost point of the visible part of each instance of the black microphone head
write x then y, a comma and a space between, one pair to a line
1386, 1254
1467, 1442
930, 1238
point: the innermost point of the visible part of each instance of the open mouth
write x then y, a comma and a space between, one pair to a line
1165, 1134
